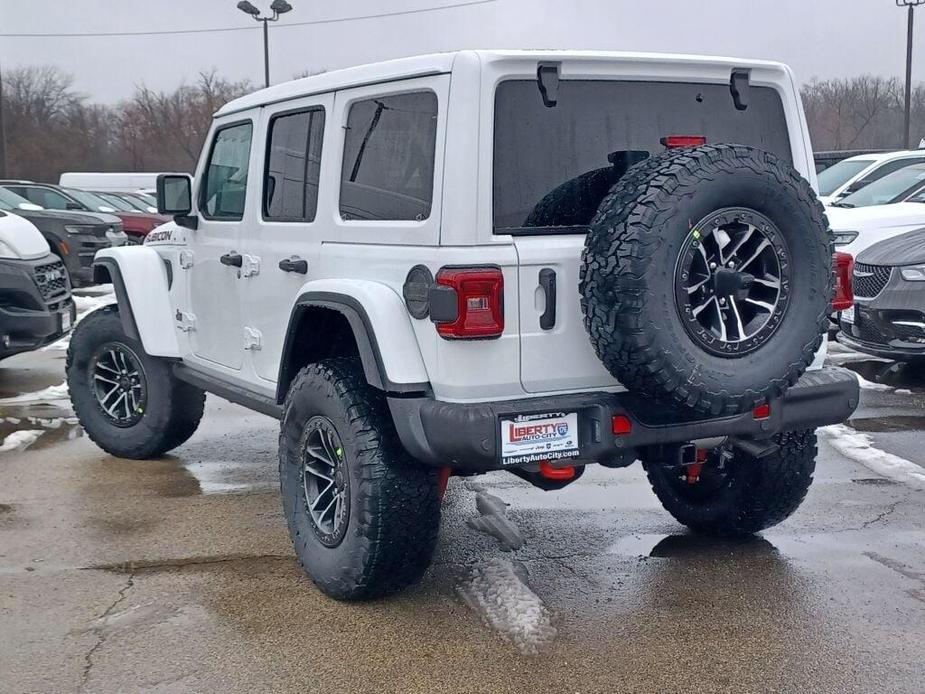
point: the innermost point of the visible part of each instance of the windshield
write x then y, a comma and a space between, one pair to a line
893, 188
554, 165
837, 175
11, 201
89, 200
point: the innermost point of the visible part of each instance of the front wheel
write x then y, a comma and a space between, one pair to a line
363, 516
129, 403
734, 494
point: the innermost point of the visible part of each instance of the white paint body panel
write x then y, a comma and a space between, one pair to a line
876, 223
145, 280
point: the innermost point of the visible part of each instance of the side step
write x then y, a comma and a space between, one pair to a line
239, 396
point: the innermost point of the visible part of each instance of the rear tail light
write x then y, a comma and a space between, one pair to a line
762, 411
844, 290
622, 425
479, 303
679, 141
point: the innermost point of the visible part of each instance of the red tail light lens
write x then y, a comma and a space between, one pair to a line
844, 290
762, 411
479, 303
679, 141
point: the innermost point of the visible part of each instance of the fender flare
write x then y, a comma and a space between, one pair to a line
141, 280
394, 365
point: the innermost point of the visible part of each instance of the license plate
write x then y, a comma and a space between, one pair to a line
65, 321
848, 315
531, 438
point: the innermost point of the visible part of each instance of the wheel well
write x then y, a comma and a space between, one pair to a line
101, 274
319, 333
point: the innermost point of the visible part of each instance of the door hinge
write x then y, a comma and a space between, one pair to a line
250, 266
253, 339
186, 260
185, 321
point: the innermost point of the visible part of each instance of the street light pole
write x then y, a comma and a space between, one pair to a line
278, 7
911, 4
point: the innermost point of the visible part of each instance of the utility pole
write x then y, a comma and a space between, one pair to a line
911, 4
278, 7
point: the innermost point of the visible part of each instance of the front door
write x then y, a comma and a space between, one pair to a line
217, 263
284, 237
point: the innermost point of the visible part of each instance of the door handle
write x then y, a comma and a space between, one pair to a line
294, 264
232, 259
548, 285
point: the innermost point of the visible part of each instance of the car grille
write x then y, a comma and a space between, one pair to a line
869, 280
51, 280
867, 331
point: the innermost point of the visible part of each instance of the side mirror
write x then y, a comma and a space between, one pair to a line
71, 205
175, 197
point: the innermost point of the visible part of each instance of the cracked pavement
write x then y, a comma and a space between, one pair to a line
177, 575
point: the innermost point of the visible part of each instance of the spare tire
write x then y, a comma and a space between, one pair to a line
706, 278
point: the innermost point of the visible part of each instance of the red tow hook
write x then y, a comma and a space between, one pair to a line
443, 479
557, 474
694, 469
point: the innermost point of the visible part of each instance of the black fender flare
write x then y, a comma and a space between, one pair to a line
370, 356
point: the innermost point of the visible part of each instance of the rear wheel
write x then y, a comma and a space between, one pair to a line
363, 516
733, 494
129, 403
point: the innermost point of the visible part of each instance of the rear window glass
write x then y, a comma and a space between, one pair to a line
553, 166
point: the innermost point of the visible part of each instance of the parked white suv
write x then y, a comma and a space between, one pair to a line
484, 260
855, 173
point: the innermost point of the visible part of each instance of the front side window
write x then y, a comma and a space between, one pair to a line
290, 189
388, 167
225, 186
47, 198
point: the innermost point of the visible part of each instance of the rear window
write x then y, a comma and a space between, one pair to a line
553, 166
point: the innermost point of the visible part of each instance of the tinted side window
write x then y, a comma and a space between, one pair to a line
388, 167
49, 199
225, 184
290, 188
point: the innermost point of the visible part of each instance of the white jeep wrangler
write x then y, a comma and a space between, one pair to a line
485, 260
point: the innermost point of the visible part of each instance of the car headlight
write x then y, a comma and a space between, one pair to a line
913, 273
843, 238
78, 228
116, 228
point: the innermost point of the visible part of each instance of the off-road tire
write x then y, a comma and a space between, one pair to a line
751, 495
394, 511
173, 409
628, 280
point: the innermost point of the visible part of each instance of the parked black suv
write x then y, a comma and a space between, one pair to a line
35, 298
75, 237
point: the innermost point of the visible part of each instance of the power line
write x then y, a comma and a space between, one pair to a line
251, 28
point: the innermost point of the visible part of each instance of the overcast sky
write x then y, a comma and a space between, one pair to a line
818, 38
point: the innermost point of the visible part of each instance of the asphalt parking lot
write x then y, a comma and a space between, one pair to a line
178, 575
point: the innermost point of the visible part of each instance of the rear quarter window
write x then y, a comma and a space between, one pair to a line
553, 166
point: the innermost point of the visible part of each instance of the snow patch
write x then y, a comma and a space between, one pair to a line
870, 385
497, 590
20, 440
52, 394
858, 447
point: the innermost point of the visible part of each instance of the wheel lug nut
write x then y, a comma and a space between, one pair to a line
712, 266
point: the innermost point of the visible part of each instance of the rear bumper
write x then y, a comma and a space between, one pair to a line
467, 437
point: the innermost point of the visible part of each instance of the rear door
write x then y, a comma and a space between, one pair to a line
284, 237
553, 165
